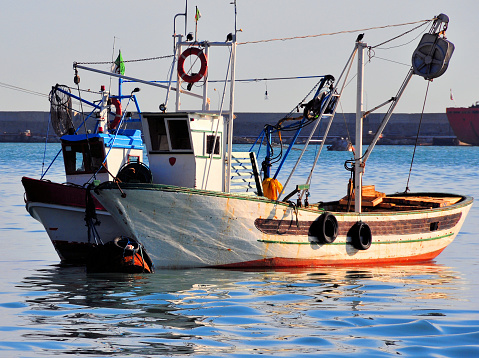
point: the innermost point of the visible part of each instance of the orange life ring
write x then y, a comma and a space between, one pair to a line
114, 123
181, 65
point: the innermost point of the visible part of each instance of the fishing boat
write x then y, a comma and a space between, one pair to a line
72, 218
465, 123
213, 207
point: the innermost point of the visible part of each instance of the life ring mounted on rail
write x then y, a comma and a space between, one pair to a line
118, 115
194, 77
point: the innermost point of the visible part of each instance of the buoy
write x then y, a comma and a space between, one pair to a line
181, 65
118, 115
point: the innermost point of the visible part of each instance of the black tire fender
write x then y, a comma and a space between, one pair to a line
325, 228
361, 236
125, 243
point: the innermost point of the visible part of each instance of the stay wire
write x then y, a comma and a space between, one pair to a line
400, 35
84, 124
46, 141
417, 136
125, 61
335, 33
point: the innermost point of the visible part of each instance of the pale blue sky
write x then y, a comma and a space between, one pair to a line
41, 39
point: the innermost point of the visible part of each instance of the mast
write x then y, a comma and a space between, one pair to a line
358, 161
231, 113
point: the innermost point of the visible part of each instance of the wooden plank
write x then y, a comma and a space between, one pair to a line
423, 201
372, 202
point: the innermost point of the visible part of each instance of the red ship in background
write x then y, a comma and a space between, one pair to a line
465, 123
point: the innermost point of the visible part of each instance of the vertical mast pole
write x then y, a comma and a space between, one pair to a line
178, 78
205, 106
358, 163
231, 113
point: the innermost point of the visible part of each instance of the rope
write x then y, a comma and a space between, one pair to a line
83, 117
400, 35
417, 138
334, 33
124, 61
273, 79
90, 217
111, 143
20, 89
46, 141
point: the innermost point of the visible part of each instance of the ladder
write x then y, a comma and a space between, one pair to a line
244, 174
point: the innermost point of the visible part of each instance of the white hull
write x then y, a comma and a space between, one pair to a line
182, 227
65, 225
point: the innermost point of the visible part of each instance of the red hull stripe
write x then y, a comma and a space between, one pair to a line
41, 191
286, 262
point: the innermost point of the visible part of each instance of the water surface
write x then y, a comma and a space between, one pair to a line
428, 310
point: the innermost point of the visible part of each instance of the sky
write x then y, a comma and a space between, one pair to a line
40, 40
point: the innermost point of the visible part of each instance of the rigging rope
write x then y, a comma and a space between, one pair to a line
335, 33
77, 82
125, 61
20, 89
417, 137
400, 35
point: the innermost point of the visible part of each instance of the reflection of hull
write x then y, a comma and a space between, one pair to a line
61, 210
182, 227
465, 123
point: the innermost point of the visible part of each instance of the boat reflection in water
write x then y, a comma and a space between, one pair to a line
213, 311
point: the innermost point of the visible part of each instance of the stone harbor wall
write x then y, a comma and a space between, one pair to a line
402, 128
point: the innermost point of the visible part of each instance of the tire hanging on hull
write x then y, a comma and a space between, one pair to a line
325, 229
361, 236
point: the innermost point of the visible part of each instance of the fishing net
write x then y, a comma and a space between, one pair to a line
61, 110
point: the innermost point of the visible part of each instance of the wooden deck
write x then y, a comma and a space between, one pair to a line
373, 200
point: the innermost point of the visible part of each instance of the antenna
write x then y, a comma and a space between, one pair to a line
185, 14
236, 13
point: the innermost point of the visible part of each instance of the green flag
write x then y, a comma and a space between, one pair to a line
197, 15
118, 65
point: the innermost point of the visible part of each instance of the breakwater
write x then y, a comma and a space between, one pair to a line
402, 128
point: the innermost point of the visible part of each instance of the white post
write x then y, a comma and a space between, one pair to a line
231, 114
103, 120
358, 163
205, 106
178, 78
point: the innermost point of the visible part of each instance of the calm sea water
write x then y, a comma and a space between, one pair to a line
429, 310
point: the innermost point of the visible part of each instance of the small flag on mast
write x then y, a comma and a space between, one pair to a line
118, 66
197, 15
451, 96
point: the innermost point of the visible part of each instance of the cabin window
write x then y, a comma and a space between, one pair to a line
434, 226
179, 134
83, 157
159, 141
210, 139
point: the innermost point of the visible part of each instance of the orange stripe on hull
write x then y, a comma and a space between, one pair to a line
286, 262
